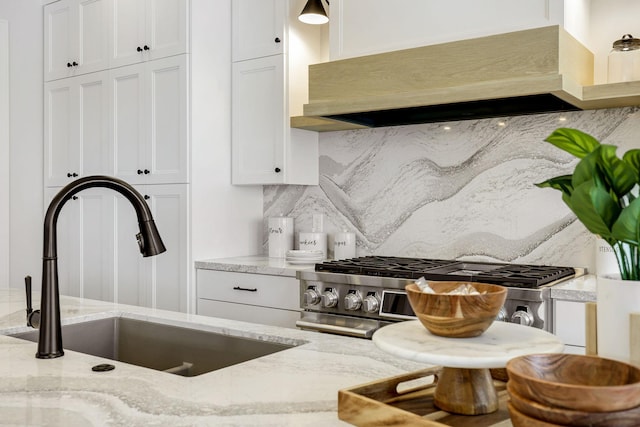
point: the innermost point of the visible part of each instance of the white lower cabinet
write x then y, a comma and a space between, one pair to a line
257, 298
569, 320
98, 255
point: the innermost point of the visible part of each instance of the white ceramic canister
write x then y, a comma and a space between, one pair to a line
313, 242
344, 245
281, 238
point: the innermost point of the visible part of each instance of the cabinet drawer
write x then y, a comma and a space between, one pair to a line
246, 288
248, 313
569, 322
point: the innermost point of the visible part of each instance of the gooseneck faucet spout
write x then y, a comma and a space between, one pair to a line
50, 338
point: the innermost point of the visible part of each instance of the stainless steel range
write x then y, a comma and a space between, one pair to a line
359, 295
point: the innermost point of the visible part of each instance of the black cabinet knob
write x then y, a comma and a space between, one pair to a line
147, 172
139, 49
75, 64
146, 197
277, 170
69, 174
277, 40
146, 47
139, 171
74, 197
69, 65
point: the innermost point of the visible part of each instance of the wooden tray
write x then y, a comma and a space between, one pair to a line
407, 400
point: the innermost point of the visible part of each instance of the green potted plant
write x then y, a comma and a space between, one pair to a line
603, 193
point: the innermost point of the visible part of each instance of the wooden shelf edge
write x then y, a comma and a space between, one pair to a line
321, 124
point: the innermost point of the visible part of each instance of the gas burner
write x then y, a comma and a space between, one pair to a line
513, 275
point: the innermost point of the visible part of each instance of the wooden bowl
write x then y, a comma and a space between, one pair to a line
569, 417
518, 419
571, 381
457, 316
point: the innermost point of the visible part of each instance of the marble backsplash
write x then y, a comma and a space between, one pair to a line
456, 190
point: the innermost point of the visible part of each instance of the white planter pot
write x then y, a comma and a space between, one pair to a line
617, 299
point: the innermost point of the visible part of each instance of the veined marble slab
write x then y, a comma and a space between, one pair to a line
294, 387
455, 190
493, 349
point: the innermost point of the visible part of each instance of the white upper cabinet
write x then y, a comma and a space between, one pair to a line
149, 121
265, 150
259, 28
76, 37
83, 36
147, 29
76, 128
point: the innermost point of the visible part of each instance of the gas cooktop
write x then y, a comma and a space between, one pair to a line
513, 275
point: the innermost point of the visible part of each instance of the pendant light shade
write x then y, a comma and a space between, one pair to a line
314, 13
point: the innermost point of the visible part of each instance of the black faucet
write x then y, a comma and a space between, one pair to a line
50, 338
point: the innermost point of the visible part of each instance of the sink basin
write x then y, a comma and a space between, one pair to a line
177, 350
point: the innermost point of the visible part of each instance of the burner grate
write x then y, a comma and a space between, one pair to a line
514, 275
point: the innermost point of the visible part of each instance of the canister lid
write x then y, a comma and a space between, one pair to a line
627, 42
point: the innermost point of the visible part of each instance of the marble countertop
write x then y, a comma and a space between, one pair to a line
294, 387
580, 289
257, 264
493, 349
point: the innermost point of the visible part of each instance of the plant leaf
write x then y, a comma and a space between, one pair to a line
620, 176
561, 183
595, 208
627, 226
587, 169
632, 158
573, 141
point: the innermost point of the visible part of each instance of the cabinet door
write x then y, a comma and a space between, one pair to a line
128, 124
166, 110
145, 30
166, 28
61, 146
149, 121
127, 32
160, 281
58, 23
76, 128
85, 244
131, 279
258, 125
168, 277
93, 121
91, 36
258, 28
76, 37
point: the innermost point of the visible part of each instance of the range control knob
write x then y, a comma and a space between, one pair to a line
502, 315
329, 298
352, 301
370, 304
311, 297
522, 317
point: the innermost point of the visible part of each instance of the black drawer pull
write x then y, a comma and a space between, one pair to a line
238, 288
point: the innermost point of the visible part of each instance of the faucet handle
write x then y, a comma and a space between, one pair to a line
33, 316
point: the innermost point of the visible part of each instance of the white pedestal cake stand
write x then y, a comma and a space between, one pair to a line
465, 385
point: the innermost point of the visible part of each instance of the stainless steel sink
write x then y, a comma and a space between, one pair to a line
173, 349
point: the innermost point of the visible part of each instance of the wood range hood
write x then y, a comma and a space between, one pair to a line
525, 72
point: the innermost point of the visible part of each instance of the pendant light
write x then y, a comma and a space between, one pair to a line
314, 13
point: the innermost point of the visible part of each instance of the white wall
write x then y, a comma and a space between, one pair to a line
4, 153
24, 19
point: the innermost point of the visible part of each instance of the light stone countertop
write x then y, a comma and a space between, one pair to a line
257, 264
582, 289
294, 387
